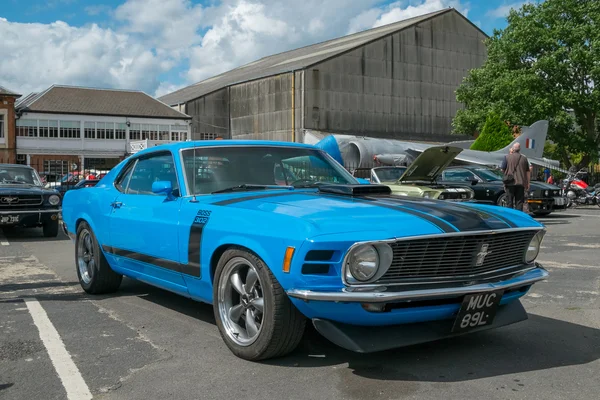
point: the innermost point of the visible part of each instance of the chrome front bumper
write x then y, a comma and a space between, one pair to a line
44, 211
379, 295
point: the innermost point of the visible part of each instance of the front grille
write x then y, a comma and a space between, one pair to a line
455, 195
20, 201
455, 258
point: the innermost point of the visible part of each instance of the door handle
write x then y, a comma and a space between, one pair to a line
116, 204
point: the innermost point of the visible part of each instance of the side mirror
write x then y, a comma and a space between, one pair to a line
162, 187
363, 181
474, 182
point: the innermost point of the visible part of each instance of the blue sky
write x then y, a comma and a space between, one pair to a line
161, 45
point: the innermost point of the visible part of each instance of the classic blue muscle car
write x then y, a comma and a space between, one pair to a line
273, 234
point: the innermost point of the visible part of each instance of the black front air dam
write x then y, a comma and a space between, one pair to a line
369, 339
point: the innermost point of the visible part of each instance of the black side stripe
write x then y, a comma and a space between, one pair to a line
253, 197
194, 245
148, 259
464, 218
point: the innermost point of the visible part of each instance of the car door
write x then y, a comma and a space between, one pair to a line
144, 226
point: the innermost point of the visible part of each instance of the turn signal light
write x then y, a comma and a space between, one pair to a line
287, 260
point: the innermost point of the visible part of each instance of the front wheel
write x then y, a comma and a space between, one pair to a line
94, 274
502, 200
255, 317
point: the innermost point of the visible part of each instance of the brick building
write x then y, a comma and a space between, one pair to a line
8, 153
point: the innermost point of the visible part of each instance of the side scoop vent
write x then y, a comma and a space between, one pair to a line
356, 190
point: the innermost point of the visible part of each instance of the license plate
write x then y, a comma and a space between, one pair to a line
560, 201
9, 219
477, 310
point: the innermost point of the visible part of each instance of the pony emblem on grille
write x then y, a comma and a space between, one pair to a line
10, 200
482, 254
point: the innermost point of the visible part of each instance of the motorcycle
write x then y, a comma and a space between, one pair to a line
578, 192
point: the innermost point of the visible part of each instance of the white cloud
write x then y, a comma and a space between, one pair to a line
40, 55
192, 42
503, 10
170, 26
399, 10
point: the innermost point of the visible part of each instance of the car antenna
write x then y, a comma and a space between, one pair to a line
194, 199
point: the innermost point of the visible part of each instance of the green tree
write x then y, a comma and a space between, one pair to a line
544, 65
495, 135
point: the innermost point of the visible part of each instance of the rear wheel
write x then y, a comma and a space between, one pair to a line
94, 274
50, 228
255, 317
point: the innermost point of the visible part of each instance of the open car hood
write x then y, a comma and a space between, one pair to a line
430, 164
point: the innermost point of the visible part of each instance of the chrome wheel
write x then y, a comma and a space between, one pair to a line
85, 256
241, 301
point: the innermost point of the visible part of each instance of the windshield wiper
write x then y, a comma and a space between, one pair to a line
19, 182
251, 187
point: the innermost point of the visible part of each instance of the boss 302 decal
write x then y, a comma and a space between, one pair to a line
195, 243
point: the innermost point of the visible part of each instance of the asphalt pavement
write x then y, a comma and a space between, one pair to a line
56, 342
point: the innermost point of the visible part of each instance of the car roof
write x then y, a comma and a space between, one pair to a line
15, 165
175, 147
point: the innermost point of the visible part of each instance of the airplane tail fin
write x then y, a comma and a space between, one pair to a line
532, 140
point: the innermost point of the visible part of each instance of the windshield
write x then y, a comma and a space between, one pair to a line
389, 174
211, 169
489, 175
19, 176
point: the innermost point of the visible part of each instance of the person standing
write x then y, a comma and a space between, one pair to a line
509, 200
516, 177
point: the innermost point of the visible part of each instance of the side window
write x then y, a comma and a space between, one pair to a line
123, 181
458, 175
152, 169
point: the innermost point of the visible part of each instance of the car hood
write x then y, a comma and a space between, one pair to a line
15, 190
398, 216
543, 185
430, 164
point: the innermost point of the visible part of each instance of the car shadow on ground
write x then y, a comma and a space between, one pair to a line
539, 343
19, 234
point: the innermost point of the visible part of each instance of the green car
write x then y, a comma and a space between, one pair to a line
419, 179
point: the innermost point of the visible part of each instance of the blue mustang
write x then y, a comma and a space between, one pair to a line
214, 221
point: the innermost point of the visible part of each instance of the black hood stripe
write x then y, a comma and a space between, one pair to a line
464, 218
489, 215
253, 197
444, 226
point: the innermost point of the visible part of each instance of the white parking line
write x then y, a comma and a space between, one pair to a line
61, 359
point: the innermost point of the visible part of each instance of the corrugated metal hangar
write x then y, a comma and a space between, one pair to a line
395, 81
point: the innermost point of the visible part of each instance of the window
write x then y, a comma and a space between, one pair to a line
69, 129
48, 129
101, 130
89, 130
135, 132
208, 169
1, 126
123, 181
120, 131
10, 175
160, 167
56, 167
21, 159
458, 175
163, 132
178, 132
207, 136
26, 127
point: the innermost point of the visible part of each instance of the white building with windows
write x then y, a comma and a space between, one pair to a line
68, 128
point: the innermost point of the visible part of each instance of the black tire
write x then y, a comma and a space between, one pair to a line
501, 200
101, 279
50, 228
541, 213
282, 325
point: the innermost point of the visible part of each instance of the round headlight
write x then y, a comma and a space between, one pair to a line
54, 200
363, 262
534, 247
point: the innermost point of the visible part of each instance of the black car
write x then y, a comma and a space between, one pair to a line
25, 202
542, 198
